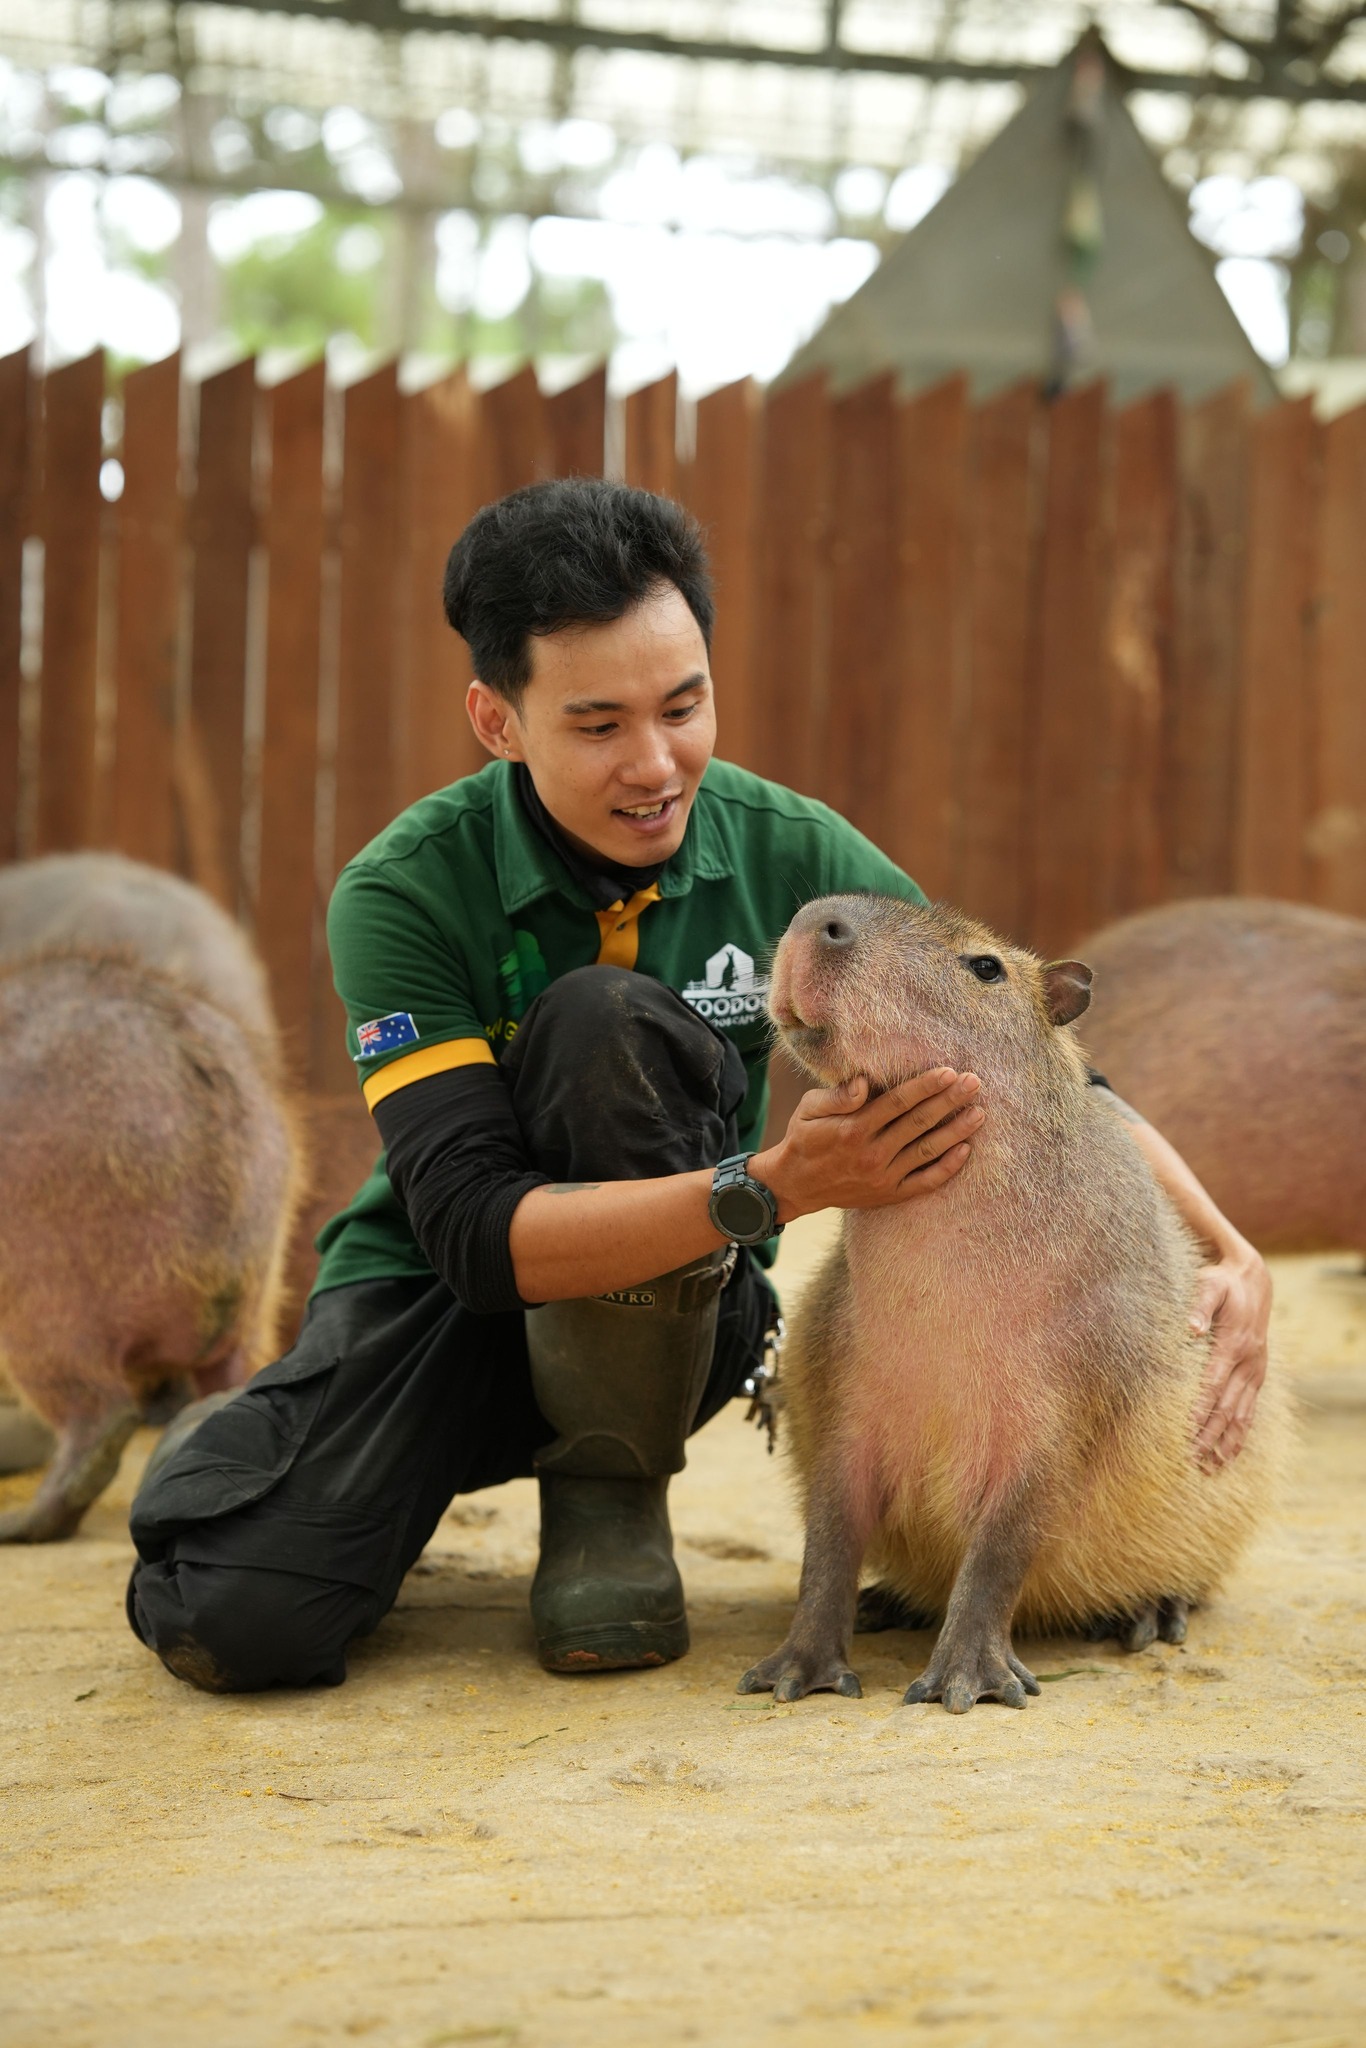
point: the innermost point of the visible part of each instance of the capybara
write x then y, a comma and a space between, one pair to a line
149, 1163
990, 1392
1238, 1028
108, 902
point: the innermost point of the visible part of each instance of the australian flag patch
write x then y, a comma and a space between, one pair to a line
383, 1034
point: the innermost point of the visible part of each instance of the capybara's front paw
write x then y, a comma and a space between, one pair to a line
960, 1674
791, 1673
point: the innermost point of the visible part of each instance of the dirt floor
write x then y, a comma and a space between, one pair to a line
455, 1847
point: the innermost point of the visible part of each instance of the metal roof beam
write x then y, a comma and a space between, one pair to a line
1297, 80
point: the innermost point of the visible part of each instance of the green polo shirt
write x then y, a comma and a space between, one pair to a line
445, 928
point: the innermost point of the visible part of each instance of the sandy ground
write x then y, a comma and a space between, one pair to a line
455, 1847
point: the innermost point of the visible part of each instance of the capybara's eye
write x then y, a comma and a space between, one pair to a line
985, 966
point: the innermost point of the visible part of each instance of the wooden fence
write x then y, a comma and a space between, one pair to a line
1061, 661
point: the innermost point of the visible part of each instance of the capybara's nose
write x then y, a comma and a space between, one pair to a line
835, 934
830, 924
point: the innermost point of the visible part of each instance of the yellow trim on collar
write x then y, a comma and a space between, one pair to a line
620, 928
428, 1059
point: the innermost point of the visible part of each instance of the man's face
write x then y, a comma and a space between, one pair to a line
616, 726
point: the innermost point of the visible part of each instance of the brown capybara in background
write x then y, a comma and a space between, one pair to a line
105, 901
1238, 1028
990, 1392
149, 1165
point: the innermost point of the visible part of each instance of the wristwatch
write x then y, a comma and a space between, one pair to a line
742, 1209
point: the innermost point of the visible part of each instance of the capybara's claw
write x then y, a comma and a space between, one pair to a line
961, 1678
791, 1674
1159, 1620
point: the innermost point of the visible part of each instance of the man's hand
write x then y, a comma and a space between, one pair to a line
1233, 1302
842, 1151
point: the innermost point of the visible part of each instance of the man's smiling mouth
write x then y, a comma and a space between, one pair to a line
646, 814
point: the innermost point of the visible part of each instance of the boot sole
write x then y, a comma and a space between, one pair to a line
626, 1647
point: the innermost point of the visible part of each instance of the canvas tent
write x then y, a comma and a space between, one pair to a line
1064, 222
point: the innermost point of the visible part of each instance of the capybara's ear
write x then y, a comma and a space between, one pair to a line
1066, 990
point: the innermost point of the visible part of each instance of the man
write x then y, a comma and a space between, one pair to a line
552, 972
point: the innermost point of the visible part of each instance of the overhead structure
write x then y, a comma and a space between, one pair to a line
486, 104
1060, 253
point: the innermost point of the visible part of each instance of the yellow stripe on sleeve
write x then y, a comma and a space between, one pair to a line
428, 1059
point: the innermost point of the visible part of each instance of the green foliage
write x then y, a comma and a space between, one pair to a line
291, 291
294, 292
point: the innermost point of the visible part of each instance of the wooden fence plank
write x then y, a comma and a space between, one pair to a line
142, 813
1337, 828
293, 529
1203, 721
861, 658
1066, 795
71, 512
14, 506
576, 421
1139, 656
440, 438
369, 602
222, 530
516, 436
788, 645
369, 521
1275, 740
652, 437
722, 490
924, 716
992, 753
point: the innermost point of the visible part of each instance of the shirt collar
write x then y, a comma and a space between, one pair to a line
528, 867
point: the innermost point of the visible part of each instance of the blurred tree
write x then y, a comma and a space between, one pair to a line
1328, 277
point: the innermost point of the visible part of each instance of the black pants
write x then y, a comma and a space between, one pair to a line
283, 1526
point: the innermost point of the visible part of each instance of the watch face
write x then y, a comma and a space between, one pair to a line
740, 1212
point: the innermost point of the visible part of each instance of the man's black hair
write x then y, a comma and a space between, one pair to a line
577, 551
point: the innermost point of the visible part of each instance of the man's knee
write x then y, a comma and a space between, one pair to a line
238, 1628
612, 1000
606, 1057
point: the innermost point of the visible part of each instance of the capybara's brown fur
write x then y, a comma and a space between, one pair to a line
990, 1390
1238, 1028
150, 1165
341, 1144
109, 903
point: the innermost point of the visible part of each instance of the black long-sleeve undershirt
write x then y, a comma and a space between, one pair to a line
458, 1163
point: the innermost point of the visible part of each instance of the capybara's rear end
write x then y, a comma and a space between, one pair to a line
1238, 1027
147, 1156
992, 1390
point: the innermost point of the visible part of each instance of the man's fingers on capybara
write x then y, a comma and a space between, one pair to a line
925, 1098
924, 1150
923, 1180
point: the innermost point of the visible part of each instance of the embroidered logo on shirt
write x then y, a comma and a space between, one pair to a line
382, 1034
523, 973
731, 992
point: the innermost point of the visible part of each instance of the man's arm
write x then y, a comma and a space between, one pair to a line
839, 1151
1233, 1302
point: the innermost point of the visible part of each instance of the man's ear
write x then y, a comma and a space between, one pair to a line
1066, 990
491, 717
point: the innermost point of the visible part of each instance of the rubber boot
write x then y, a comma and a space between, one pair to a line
620, 1377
